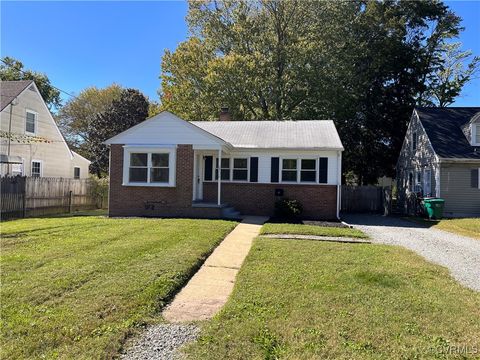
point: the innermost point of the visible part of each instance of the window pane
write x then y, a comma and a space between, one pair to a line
240, 163
160, 160
289, 164
30, 124
225, 163
76, 173
308, 164
226, 174
138, 175
138, 159
240, 174
159, 175
288, 175
36, 168
307, 175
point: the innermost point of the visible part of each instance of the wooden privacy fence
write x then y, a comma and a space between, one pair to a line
372, 199
36, 196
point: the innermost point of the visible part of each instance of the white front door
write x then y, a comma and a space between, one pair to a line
427, 183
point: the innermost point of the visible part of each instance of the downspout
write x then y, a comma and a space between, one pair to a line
219, 173
339, 182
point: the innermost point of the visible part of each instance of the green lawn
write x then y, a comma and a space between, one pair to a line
466, 227
316, 300
300, 229
75, 287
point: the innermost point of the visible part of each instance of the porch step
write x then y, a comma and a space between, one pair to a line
230, 212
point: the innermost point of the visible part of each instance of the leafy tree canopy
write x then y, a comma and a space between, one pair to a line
12, 69
364, 64
130, 108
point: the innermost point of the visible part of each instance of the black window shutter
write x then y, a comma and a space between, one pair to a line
254, 169
323, 170
474, 178
274, 170
208, 168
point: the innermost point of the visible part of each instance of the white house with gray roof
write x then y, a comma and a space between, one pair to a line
31, 143
440, 157
166, 166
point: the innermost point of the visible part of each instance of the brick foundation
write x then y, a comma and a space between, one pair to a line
319, 201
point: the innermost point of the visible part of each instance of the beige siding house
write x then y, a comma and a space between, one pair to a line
440, 157
31, 143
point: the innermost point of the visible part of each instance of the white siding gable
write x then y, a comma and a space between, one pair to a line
165, 129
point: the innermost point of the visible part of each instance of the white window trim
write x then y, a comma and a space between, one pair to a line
473, 131
27, 111
172, 154
299, 164
41, 167
424, 180
230, 180
232, 168
79, 172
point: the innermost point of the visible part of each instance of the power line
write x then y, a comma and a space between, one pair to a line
25, 73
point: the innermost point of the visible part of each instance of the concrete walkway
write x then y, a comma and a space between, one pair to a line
208, 290
339, 239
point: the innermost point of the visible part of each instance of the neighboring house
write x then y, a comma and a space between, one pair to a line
440, 157
166, 166
36, 146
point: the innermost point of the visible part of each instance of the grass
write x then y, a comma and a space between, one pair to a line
75, 287
463, 226
300, 229
315, 300
466, 227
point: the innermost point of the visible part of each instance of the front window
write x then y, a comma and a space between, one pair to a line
30, 122
76, 172
225, 169
240, 169
308, 171
414, 141
36, 169
153, 168
289, 170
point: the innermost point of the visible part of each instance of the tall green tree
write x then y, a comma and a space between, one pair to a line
129, 109
364, 64
76, 116
12, 69
454, 68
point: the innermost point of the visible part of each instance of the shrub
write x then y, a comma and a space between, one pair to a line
289, 209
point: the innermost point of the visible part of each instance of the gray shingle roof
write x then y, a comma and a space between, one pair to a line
300, 134
9, 90
444, 129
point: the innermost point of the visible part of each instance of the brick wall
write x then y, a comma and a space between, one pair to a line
319, 201
155, 201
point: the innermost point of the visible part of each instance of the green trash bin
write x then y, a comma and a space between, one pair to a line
434, 207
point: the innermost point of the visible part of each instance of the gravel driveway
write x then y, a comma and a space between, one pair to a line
458, 253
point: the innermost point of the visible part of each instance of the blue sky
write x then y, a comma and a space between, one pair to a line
81, 44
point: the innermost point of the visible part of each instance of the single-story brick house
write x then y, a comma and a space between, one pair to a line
166, 166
